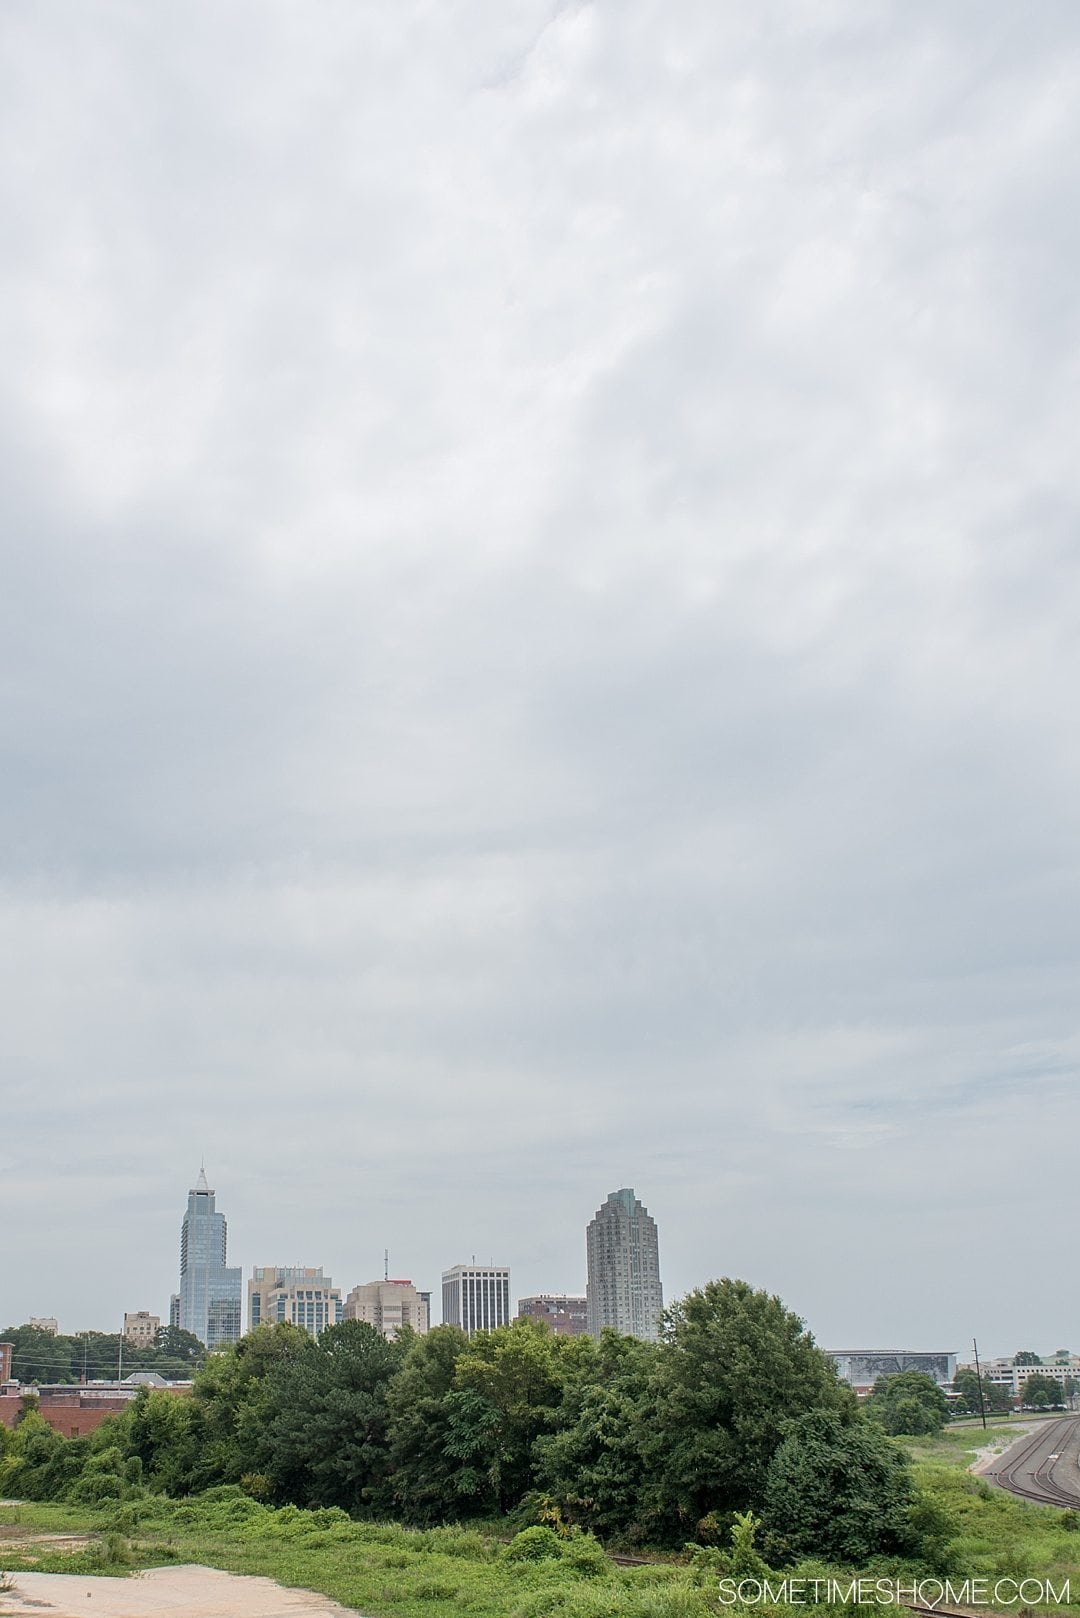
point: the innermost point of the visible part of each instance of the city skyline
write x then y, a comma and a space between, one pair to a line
245, 1276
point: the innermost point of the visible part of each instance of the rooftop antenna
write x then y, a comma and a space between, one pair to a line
386, 1264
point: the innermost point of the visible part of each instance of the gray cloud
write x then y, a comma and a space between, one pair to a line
538, 646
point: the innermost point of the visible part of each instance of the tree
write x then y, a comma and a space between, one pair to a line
839, 1489
38, 1356
426, 1480
996, 1399
230, 1390
908, 1403
167, 1434
180, 1345
1040, 1392
593, 1467
508, 1392
323, 1419
736, 1367
1024, 1356
39, 1464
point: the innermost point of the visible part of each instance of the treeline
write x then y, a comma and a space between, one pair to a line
42, 1356
658, 1444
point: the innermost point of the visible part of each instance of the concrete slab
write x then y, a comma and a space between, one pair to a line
193, 1591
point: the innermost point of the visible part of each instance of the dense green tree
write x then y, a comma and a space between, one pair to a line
39, 1356
232, 1394
736, 1367
38, 1463
167, 1435
1025, 1356
426, 1477
324, 1419
182, 1346
839, 1489
908, 1403
996, 1399
593, 1467
1040, 1392
508, 1392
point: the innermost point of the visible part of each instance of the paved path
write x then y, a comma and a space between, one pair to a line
182, 1592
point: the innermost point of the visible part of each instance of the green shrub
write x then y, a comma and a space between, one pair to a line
112, 1550
584, 1554
536, 1544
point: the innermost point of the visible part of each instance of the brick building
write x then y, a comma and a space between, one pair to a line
566, 1313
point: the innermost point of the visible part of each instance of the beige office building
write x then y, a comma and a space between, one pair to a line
294, 1294
389, 1305
141, 1329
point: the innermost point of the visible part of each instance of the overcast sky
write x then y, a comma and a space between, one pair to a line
538, 635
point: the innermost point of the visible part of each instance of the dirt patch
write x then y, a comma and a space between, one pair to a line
173, 1592
60, 1544
985, 1457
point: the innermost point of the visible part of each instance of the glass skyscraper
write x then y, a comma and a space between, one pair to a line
623, 1253
210, 1293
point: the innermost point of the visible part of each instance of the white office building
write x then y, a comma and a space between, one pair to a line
476, 1297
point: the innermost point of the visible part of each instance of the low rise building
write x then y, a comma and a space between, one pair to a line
567, 1313
293, 1293
75, 1411
861, 1367
1012, 1371
388, 1305
141, 1329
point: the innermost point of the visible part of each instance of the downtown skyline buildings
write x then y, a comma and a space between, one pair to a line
623, 1290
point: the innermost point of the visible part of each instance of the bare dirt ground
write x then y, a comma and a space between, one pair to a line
17, 1539
989, 1453
193, 1592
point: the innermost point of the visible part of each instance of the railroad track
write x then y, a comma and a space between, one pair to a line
1042, 1482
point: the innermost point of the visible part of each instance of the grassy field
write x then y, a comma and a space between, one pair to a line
997, 1534
384, 1571
390, 1572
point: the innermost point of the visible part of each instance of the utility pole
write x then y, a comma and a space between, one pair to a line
120, 1358
978, 1378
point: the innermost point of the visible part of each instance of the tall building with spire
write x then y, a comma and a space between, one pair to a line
210, 1292
623, 1288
